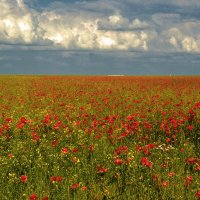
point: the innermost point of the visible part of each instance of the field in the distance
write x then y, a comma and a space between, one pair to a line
80, 137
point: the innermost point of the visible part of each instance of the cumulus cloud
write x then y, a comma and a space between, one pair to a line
184, 37
60, 27
20, 24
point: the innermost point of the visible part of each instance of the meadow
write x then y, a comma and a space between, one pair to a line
99, 138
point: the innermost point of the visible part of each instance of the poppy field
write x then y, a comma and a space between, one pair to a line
98, 138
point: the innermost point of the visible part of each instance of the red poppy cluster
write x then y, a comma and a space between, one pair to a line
99, 133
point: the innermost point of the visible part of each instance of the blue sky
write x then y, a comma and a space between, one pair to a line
100, 37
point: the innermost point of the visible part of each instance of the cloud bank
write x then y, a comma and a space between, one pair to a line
83, 26
22, 25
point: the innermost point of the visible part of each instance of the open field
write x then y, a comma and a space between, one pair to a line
80, 137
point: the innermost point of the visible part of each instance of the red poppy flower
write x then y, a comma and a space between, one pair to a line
190, 128
65, 150
24, 178
54, 143
197, 195
151, 146
84, 188
33, 197
47, 119
102, 170
164, 165
130, 117
35, 136
197, 168
118, 161
171, 174
74, 186
20, 125
145, 162
75, 150
121, 149
56, 179
23, 120
165, 184
59, 178
188, 180
191, 160
10, 155
154, 177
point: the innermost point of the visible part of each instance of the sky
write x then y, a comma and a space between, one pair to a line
131, 37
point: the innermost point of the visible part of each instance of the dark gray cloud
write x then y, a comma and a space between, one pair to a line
87, 62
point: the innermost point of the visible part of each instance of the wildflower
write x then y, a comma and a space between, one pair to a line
91, 148
197, 168
74, 186
165, 184
75, 150
145, 162
130, 117
23, 120
102, 170
45, 198
171, 174
47, 119
118, 161
139, 148
54, 143
10, 155
84, 188
151, 146
65, 150
191, 115
56, 179
146, 152
190, 128
154, 177
163, 165
197, 105
59, 178
33, 197
53, 179
24, 178
8, 120
168, 140
191, 160
174, 136
75, 160
35, 136
20, 125
123, 135
121, 149
188, 180
197, 195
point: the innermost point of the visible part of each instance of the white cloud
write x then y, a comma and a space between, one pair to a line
60, 27
118, 22
173, 41
23, 25
190, 44
181, 40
